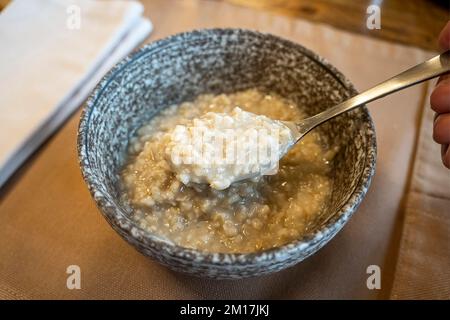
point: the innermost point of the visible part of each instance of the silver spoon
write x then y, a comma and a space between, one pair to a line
424, 71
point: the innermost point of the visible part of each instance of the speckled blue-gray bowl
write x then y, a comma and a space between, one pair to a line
178, 69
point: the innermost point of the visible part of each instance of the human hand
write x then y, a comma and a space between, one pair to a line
440, 102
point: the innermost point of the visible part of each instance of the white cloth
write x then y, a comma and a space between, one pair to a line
49, 63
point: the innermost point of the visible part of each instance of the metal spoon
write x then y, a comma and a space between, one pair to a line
424, 71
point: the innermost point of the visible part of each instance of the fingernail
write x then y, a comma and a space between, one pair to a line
444, 149
436, 116
445, 155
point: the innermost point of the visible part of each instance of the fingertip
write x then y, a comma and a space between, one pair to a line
441, 129
444, 37
440, 97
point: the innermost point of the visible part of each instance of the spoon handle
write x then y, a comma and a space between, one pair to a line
424, 71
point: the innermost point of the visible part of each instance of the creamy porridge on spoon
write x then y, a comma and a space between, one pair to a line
222, 148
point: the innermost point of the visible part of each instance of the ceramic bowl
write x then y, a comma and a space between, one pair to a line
183, 66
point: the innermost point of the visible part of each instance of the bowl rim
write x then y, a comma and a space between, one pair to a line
125, 226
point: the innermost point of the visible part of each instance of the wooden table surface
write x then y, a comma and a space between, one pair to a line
412, 22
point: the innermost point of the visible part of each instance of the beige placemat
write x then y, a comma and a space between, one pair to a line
423, 270
48, 220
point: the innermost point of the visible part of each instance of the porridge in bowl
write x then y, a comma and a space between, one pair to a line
245, 216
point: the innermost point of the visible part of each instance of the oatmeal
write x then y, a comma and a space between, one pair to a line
247, 216
221, 148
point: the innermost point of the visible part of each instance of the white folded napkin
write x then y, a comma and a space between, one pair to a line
53, 53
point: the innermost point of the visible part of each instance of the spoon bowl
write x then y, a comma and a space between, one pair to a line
424, 71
